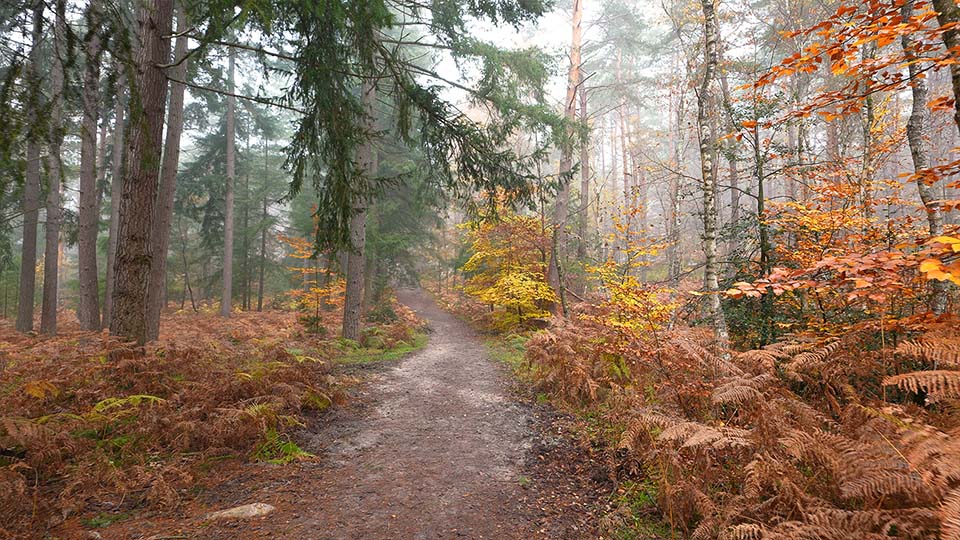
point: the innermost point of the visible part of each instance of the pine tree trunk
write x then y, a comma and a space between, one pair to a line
917, 137
141, 180
51, 252
367, 160
708, 170
31, 187
88, 311
584, 216
226, 298
160, 238
263, 255
245, 230
561, 210
116, 190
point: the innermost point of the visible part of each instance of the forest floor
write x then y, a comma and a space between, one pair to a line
433, 446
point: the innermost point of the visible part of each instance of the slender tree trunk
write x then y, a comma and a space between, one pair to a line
948, 15
186, 267
367, 160
116, 190
917, 136
584, 216
555, 270
624, 157
733, 174
245, 230
51, 252
88, 311
31, 187
674, 263
141, 180
264, 224
708, 170
160, 237
226, 299
263, 256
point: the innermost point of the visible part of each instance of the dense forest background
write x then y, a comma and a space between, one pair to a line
727, 232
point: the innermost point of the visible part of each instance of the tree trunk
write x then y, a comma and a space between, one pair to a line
31, 187
186, 268
116, 190
263, 256
367, 161
226, 298
88, 310
917, 136
708, 170
948, 15
733, 174
245, 230
136, 213
555, 270
160, 238
624, 157
584, 216
51, 252
674, 263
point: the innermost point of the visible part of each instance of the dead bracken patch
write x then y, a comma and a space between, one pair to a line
90, 425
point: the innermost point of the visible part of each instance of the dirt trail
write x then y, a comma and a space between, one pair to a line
435, 447
439, 452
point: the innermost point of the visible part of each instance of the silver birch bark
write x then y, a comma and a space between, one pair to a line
708, 171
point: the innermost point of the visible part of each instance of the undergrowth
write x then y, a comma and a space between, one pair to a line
87, 422
853, 435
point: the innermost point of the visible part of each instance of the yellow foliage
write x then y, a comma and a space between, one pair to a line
508, 267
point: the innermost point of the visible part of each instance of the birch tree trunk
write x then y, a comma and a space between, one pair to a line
917, 136
138, 196
51, 252
31, 187
88, 310
116, 189
226, 298
367, 161
708, 170
160, 238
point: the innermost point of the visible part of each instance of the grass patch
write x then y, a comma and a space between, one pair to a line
355, 354
511, 350
104, 520
638, 504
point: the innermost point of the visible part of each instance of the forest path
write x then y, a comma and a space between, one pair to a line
435, 446
438, 452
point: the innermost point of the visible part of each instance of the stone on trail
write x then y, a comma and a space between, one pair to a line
242, 512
